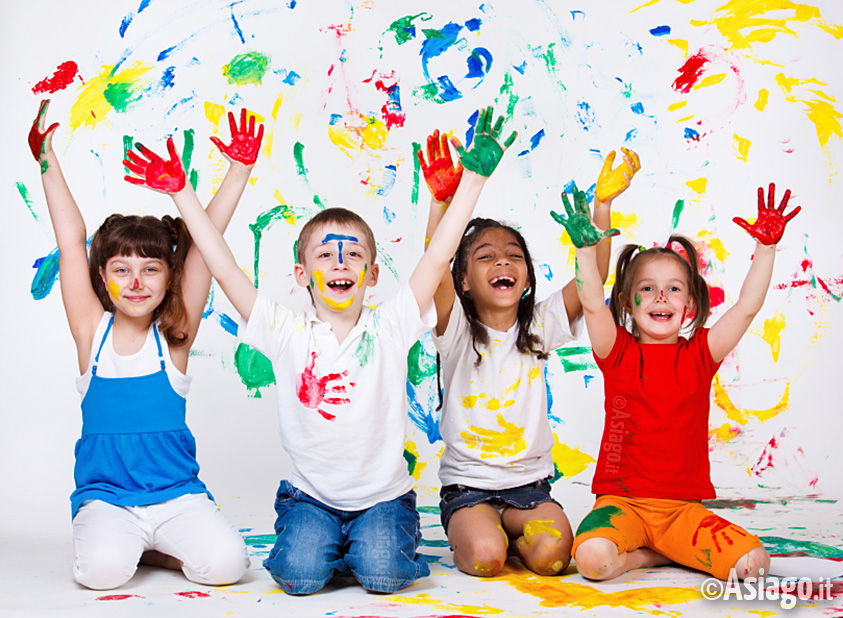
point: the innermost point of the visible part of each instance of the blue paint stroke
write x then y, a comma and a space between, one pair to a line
124, 25
143, 5
335, 119
388, 180
168, 79
291, 4
473, 25
547, 375
422, 416
388, 215
631, 135
166, 53
46, 275
393, 101
585, 116
479, 64
521, 67
472, 121
577, 14
660, 30
546, 271
236, 25
534, 142
290, 77
692, 134
228, 323
329, 237
587, 379
178, 104
569, 188
435, 44
447, 90
637, 108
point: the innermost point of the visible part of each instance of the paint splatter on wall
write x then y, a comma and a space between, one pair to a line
717, 97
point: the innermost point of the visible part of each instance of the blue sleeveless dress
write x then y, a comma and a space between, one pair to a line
135, 448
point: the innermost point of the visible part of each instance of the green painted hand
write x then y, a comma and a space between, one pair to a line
578, 221
486, 150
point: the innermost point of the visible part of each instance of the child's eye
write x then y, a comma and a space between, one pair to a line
325, 254
516, 256
675, 288
485, 257
354, 254
646, 288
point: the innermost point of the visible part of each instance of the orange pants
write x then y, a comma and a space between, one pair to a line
682, 530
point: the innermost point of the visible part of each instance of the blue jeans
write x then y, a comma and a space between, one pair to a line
377, 545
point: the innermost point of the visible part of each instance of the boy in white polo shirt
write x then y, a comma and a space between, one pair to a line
341, 371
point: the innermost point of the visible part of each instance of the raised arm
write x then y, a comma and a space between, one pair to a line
442, 179
588, 279
81, 304
767, 230
479, 162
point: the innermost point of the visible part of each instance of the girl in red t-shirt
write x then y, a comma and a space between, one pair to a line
653, 469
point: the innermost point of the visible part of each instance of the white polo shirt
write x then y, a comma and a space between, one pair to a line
342, 407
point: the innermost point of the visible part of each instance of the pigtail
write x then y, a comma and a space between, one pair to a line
620, 291
172, 313
698, 286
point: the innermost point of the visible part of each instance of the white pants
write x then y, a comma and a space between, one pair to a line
109, 540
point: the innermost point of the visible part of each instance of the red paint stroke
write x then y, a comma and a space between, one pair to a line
717, 296
691, 71
65, 73
397, 239
391, 110
117, 597
765, 461
313, 391
716, 526
832, 287
193, 594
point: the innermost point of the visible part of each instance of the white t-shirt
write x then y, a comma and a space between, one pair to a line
343, 407
141, 363
494, 418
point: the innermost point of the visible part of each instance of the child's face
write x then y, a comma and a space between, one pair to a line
660, 300
337, 266
136, 285
496, 272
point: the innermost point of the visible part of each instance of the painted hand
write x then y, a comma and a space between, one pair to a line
441, 176
612, 182
41, 141
486, 151
154, 172
244, 143
769, 226
578, 222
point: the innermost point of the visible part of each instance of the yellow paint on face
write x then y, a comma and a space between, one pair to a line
741, 146
507, 441
92, 105
569, 461
535, 527
319, 277
773, 333
335, 305
361, 277
113, 290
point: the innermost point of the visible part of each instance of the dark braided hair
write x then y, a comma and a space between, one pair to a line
166, 239
526, 342
628, 263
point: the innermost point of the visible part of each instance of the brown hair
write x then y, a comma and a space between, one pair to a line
336, 216
628, 264
166, 239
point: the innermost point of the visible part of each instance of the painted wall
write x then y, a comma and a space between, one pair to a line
718, 97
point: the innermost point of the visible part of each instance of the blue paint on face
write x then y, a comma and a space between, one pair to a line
339, 238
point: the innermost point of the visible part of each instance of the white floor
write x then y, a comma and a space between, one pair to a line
35, 581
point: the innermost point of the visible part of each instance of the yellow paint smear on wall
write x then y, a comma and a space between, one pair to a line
554, 592
678, 105
746, 22
681, 44
741, 146
428, 601
772, 333
569, 461
493, 443
709, 80
761, 103
742, 416
820, 110
92, 105
359, 132
698, 185
715, 244
214, 112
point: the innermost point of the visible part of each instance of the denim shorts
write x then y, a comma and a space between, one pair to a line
455, 497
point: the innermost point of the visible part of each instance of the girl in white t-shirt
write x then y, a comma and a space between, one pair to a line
493, 344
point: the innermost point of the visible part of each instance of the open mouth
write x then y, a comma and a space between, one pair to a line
504, 282
341, 285
661, 317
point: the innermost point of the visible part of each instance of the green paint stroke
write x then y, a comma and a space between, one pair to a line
187, 156
404, 29
298, 155
551, 64
412, 460
677, 212
246, 68
778, 546
637, 299
264, 220
599, 518
128, 144
429, 509
364, 350
254, 368
259, 539
414, 196
387, 261
420, 364
508, 89
120, 95
576, 358
429, 92
24, 193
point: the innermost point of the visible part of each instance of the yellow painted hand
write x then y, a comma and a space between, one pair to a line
612, 182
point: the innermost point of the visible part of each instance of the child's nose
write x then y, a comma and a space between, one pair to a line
661, 296
136, 284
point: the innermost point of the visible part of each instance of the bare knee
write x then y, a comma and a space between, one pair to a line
597, 558
481, 555
547, 555
754, 563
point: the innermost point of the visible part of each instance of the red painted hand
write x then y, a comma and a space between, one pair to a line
154, 172
40, 141
769, 226
244, 143
441, 176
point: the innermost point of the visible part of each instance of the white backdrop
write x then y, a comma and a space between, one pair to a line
716, 98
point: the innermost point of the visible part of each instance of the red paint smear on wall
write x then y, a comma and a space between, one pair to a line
832, 287
717, 296
690, 72
118, 597
193, 594
65, 73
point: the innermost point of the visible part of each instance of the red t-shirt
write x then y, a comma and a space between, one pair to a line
655, 439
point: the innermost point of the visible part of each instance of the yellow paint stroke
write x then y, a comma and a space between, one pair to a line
685, 118
534, 374
652, 2
319, 276
483, 568
358, 132
569, 461
772, 333
214, 112
681, 44
492, 403
761, 103
715, 244
741, 146
295, 119
506, 442
626, 222
709, 80
535, 527
678, 105
277, 106
335, 305
93, 104
554, 592
820, 111
762, 612
288, 214
113, 290
410, 445
698, 185
361, 277
428, 601
746, 22
742, 416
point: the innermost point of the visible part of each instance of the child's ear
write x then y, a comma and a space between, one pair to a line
627, 306
373, 275
301, 275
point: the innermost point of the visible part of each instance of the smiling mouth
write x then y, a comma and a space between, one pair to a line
502, 283
341, 285
135, 299
661, 317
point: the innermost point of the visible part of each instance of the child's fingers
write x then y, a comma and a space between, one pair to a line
496, 131
456, 144
260, 133
567, 204
433, 146
420, 155
171, 148
137, 160
251, 125
42, 113
48, 134
792, 214
608, 162
133, 180
232, 123
443, 147
634, 159
559, 218
219, 144
133, 167
146, 152
510, 139
771, 196
744, 224
611, 232
785, 200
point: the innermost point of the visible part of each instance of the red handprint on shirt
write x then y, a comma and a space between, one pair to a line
717, 528
313, 391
